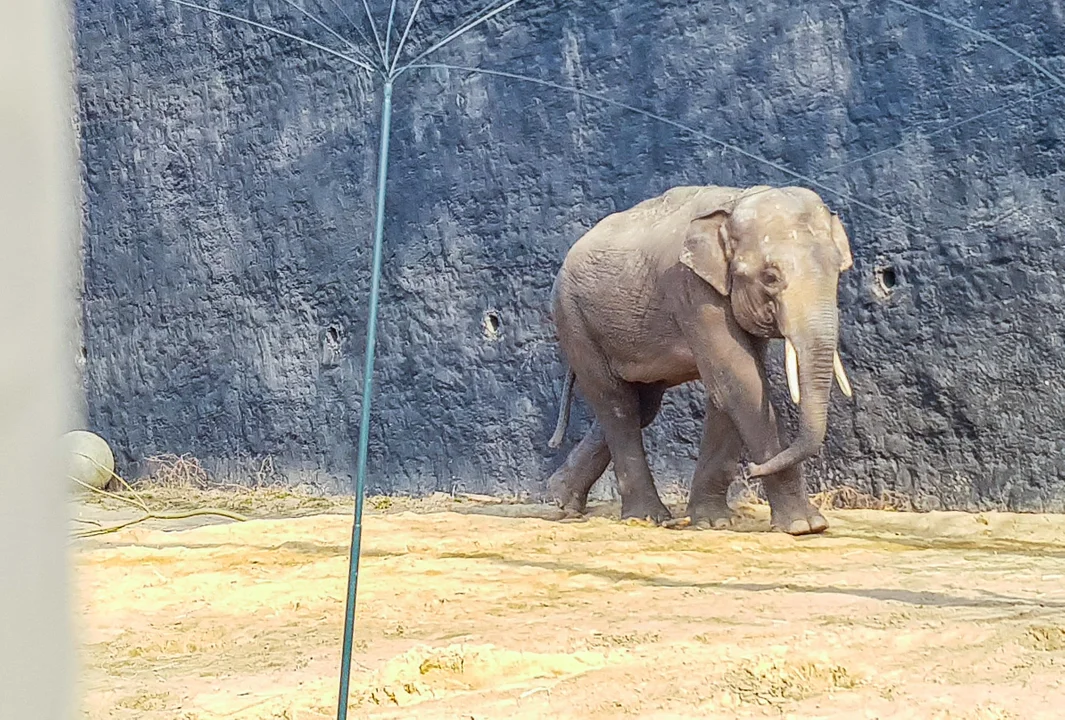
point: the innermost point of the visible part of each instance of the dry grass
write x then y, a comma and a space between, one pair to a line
775, 681
175, 471
847, 498
1049, 638
840, 498
128, 497
180, 483
253, 502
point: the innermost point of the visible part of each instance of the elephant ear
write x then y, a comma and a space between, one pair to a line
839, 237
708, 249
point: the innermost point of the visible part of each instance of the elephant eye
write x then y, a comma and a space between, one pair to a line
772, 279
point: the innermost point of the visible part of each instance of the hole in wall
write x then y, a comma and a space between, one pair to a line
490, 323
885, 280
331, 346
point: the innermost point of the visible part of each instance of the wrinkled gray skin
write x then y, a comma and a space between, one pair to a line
692, 285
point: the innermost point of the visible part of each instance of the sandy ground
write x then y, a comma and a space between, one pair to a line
888, 615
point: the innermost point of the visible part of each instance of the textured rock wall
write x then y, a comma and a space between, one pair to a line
228, 178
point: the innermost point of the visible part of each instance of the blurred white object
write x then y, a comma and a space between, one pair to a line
40, 221
88, 458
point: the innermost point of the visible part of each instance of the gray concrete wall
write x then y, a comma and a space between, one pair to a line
228, 177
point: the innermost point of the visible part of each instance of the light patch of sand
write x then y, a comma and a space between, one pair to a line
888, 615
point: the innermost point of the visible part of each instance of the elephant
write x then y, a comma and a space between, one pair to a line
693, 284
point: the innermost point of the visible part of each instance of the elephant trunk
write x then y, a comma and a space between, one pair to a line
813, 350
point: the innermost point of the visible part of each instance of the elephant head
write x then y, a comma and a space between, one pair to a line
776, 254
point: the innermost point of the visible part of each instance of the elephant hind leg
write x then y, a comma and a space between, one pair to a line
619, 410
650, 402
570, 483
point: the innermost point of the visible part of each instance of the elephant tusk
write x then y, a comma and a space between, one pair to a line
791, 366
841, 375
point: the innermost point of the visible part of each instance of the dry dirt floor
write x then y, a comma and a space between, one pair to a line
465, 612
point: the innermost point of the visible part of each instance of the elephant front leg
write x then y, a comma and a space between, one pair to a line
733, 373
790, 508
719, 452
789, 504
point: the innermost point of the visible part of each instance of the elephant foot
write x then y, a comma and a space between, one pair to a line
572, 502
808, 521
645, 508
712, 514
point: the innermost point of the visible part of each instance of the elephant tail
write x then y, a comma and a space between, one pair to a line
563, 413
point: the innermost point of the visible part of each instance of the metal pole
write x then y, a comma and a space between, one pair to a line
367, 390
